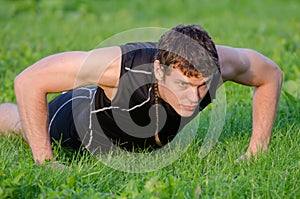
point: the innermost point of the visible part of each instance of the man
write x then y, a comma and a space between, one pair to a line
145, 94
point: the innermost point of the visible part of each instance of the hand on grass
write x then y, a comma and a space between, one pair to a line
53, 164
246, 157
57, 165
242, 158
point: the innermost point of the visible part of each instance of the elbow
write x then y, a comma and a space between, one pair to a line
26, 83
22, 84
279, 76
19, 83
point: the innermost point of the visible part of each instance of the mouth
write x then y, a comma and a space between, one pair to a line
189, 107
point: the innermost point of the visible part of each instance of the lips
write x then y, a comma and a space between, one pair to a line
188, 108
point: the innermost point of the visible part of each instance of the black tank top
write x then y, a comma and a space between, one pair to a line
129, 120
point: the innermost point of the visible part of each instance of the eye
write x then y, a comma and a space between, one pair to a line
182, 84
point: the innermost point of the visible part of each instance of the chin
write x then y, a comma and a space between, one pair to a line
186, 113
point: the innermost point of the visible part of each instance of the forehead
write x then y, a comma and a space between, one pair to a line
177, 74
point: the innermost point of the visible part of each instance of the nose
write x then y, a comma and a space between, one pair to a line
194, 95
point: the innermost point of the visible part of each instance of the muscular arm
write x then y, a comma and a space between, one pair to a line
56, 73
250, 68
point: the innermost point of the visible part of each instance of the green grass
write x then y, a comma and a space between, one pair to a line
31, 30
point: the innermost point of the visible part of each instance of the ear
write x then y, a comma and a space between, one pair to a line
158, 72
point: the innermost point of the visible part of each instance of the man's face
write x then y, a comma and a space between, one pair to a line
181, 92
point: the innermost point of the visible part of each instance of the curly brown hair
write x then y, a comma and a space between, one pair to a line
189, 48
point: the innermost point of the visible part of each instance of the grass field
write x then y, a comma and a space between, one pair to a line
30, 30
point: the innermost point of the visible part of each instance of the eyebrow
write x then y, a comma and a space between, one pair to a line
202, 84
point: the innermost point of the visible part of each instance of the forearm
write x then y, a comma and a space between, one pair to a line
248, 67
33, 115
265, 102
57, 73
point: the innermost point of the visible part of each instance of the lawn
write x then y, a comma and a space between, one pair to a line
31, 30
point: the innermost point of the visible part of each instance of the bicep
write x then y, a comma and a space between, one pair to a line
246, 66
54, 73
69, 70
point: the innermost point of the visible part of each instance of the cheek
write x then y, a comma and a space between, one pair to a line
202, 91
177, 92
170, 94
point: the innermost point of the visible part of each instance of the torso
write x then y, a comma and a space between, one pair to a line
129, 116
